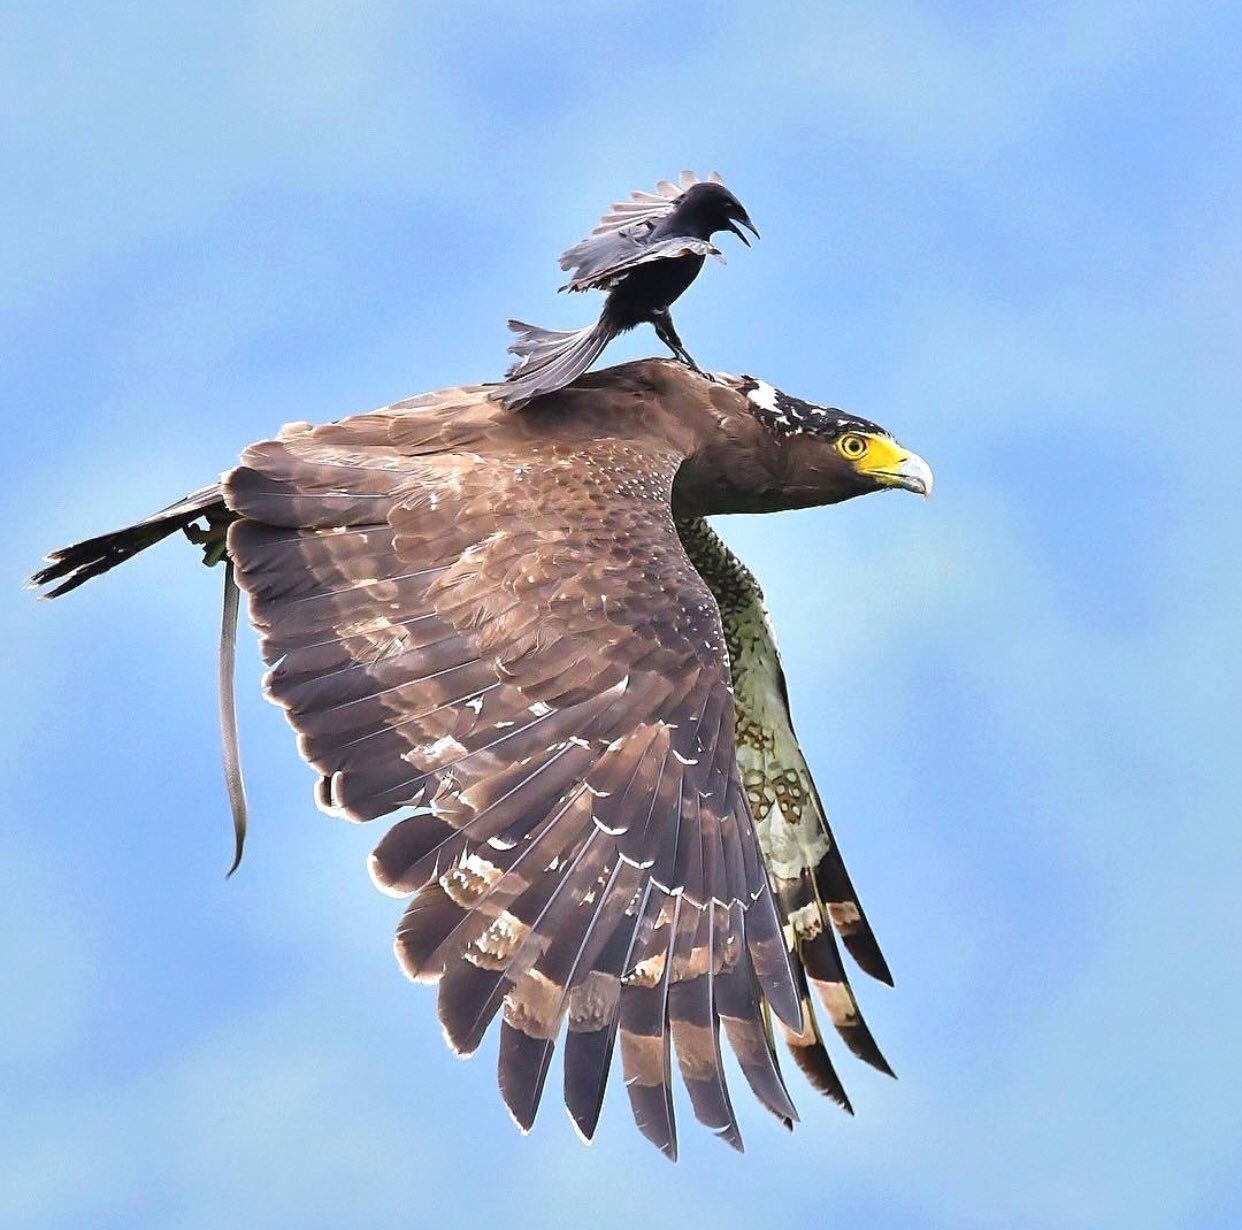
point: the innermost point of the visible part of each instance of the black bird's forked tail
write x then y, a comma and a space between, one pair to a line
549, 359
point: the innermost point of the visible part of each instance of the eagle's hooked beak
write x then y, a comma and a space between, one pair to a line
887, 464
908, 471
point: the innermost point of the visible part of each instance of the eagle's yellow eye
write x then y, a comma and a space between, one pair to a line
852, 446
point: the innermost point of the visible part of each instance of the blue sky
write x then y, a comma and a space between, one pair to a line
1010, 234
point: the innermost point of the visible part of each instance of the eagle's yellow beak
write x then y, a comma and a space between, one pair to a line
887, 463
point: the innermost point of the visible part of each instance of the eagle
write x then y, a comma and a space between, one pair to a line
518, 638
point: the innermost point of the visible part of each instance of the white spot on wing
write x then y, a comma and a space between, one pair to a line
446, 744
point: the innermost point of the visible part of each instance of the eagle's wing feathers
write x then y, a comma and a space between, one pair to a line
512, 642
812, 888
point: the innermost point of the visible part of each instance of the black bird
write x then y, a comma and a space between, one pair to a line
644, 253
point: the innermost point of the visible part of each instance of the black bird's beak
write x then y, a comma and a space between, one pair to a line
748, 224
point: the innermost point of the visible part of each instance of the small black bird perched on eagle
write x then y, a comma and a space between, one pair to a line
644, 253
517, 636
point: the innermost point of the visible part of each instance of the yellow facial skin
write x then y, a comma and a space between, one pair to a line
884, 461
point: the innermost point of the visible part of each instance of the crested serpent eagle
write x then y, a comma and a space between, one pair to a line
517, 635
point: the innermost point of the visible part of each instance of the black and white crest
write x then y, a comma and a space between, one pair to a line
791, 416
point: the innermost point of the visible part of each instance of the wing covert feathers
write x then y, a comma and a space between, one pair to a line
480, 630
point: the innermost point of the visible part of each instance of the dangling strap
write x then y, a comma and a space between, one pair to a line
228, 713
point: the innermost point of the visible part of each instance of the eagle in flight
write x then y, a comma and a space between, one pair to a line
517, 636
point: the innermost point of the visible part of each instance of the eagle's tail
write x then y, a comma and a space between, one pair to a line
80, 561
549, 359
205, 519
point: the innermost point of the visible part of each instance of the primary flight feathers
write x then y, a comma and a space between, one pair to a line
517, 636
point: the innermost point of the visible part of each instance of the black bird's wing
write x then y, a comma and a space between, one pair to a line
606, 259
618, 238
645, 209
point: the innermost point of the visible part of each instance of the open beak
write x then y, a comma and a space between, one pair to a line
747, 223
909, 472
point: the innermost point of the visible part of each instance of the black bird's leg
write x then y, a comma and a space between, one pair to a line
663, 324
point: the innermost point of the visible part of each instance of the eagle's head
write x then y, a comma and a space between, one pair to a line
832, 454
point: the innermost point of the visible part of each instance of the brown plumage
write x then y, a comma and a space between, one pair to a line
517, 633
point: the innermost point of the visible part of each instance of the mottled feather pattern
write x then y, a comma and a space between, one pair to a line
524, 655
811, 886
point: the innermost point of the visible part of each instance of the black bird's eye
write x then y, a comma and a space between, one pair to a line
852, 446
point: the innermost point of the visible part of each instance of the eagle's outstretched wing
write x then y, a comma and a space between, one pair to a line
513, 644
813, 889
618, 241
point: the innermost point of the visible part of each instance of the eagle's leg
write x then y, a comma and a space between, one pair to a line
663, 324
212, 537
